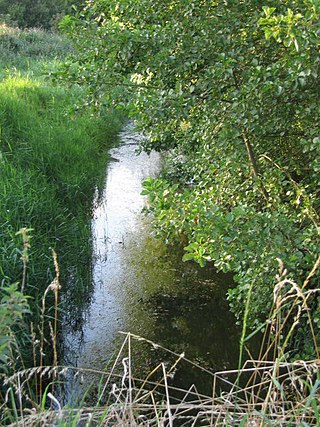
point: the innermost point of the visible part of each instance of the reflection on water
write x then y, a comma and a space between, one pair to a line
143, 287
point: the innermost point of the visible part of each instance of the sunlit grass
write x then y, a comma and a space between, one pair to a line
32, 51
51, 161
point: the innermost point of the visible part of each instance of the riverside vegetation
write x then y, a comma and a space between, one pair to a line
51, 163
230, 90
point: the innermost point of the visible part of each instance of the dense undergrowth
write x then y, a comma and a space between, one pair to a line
52, 160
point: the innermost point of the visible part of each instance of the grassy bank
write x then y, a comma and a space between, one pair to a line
51, 162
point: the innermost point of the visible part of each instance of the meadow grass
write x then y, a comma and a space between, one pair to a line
31, 51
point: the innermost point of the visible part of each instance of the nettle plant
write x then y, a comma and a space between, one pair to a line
13, 309
232, 88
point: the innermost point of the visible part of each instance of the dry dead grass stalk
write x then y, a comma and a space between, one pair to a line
275, 394
264, 392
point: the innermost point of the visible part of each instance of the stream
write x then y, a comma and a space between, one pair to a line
142, 286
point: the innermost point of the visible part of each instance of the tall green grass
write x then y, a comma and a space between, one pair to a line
52, 160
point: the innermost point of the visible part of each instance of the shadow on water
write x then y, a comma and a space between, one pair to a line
142, 286
182, 307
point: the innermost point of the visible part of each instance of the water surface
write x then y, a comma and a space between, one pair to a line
142, 286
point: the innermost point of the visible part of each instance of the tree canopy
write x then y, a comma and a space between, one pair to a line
231, 90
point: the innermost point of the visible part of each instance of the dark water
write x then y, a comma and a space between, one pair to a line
143, 287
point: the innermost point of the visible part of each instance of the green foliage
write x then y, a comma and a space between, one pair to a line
35, 13
231, 90
13, 307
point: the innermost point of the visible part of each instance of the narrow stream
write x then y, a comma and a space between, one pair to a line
142, 286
